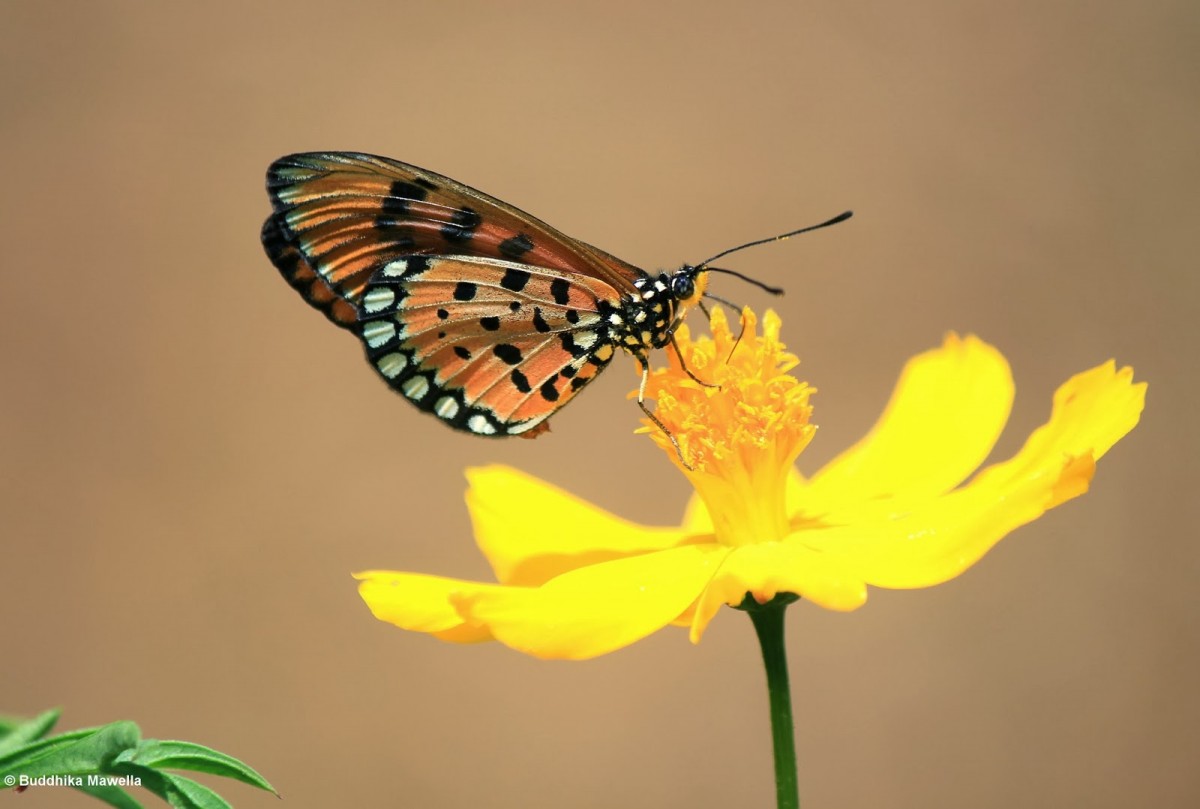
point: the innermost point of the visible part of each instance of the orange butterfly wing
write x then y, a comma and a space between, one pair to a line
339, 216
489, 346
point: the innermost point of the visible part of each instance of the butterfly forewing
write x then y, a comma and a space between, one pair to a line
297, 271
487, 345
347, 214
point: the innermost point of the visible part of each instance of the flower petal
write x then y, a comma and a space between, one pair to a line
944, 417
531, 531
941, 538
770, 568
1092, 411
596, 609
420, 603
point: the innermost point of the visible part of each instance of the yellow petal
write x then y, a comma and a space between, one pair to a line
696, 519
944, 417
770, 568
596, 609
531, 531
420, 603
1092, 411
941, 538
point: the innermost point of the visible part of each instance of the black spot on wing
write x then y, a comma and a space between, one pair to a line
515, 279
461, 227
462, 353
560, 290
443, 314
570, 346
389, 232
399, 195
416, 266
516, 247
548, 391
520, 381
572, 316
539, 322
464, 291
508, 352
490, 323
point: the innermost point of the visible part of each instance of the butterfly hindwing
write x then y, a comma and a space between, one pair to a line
489, 346
341, 215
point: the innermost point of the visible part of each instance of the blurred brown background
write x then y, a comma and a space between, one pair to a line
194, 461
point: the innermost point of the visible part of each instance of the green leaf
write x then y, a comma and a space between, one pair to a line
117, 750
180, 792
77, 753
174, 755
40, 748
16, 732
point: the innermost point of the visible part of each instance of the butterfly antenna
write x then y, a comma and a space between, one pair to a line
746, 278
730, 304
703, 265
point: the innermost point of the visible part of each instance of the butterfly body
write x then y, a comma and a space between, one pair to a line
473, 310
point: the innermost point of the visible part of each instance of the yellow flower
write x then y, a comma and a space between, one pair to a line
574, 581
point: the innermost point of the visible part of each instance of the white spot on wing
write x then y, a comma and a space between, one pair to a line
480, 424
379, 332
584, 339
397, 268
379, 299
390, 365
416, 387
446, 407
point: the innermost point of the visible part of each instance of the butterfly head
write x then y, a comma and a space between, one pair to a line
688, 284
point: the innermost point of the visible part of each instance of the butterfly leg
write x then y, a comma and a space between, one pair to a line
687, 370
738, 341
641, 399
733, 306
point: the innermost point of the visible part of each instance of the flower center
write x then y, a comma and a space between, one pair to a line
742, 437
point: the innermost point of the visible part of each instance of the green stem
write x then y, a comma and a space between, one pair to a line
768, 623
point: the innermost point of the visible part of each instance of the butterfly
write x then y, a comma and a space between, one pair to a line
473, 310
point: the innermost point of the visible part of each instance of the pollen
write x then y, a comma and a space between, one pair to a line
756, 405
742, 435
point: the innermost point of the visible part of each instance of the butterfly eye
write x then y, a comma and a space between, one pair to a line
683, 286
